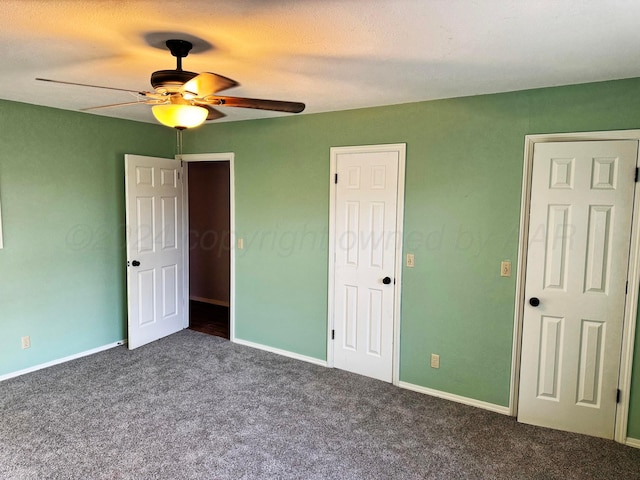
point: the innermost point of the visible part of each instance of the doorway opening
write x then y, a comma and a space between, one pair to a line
209, 252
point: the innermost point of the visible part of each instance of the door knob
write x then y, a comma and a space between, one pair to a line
386, 280
135, 263
534, 301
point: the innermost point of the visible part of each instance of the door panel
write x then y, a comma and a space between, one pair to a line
365, 245
577, 261
154, 225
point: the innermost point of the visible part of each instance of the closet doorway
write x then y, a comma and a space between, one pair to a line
208, 218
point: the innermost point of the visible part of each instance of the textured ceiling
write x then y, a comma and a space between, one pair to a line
329, 54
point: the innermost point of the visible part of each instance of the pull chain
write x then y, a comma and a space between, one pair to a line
179, 141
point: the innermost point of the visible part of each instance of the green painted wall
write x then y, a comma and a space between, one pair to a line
61, 187
463, 188
62, 268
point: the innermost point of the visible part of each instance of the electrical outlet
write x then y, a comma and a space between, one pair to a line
240, 243
26, 342
411, 260
435, 360
505, 268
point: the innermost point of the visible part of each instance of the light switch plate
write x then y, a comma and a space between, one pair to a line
505, 268
411, 260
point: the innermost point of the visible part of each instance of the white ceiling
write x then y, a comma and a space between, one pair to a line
329, 54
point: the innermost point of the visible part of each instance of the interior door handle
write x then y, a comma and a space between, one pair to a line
386, 280
534, 301
135, 263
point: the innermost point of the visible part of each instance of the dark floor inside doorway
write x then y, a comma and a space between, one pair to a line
210, 319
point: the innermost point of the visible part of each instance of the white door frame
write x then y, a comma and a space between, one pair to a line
633, 275
212, 157
401, 148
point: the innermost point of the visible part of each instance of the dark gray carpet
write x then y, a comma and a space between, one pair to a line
193, 406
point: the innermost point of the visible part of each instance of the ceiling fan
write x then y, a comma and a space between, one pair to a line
183, 99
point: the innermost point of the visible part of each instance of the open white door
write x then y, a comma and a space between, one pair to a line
577, 261
154, 248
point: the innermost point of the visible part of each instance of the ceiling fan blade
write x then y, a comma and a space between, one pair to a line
92, 86
206, 84
113, 105
213, 113
275, 105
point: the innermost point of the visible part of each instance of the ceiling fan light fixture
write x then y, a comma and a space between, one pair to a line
183, 99
180, 116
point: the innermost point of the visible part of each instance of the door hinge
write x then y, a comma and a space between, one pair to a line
636, 177
333, 334
618, 396
626, 287
335, 178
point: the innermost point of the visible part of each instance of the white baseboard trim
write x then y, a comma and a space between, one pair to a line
632, 442
7, 376
455, 398
284, 353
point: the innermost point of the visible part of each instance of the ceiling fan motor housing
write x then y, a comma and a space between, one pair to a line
170, 80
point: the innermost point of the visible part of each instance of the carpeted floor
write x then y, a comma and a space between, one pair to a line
193, 406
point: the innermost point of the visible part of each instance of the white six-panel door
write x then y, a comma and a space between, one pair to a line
577, 261
154, 248
365, 244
